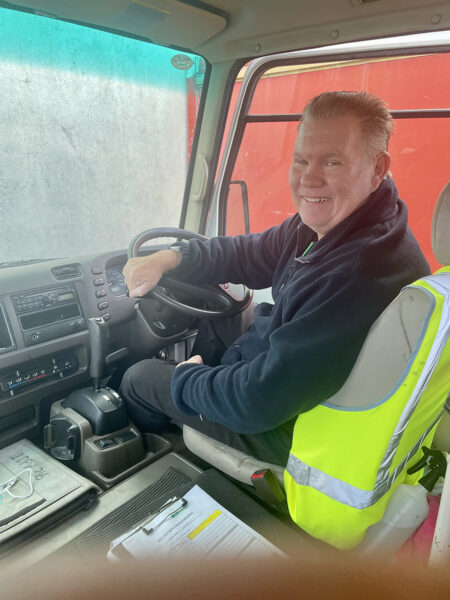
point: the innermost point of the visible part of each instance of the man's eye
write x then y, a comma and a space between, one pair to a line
331, 163
300, 162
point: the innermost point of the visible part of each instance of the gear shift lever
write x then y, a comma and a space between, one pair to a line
104, 443
102, 407
98, 333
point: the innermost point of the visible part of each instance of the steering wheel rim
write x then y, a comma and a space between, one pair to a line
231, 306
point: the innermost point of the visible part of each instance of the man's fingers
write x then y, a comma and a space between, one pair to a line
140, 290
141, 275
197, 360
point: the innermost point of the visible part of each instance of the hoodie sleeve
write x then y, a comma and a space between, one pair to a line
249, 259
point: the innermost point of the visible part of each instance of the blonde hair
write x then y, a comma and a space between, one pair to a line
372, 112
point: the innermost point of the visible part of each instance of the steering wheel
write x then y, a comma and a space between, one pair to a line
228, 304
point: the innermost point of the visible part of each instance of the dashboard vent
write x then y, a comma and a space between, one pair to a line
66, 271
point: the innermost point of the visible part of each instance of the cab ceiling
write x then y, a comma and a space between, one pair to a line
231, 29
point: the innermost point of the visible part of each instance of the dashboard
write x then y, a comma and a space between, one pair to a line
44, 339
115, 281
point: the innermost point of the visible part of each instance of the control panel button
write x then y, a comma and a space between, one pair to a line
102, 305
126, 437
106, 316
103, 444
99, 281
100, 293
96, 270
58, 366
76, 325
21, 379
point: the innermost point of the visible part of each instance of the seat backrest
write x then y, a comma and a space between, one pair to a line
440, 227
440, 242
390, 347
442, 437
387, 350
397, 333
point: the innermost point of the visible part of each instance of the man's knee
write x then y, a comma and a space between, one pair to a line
133, 378
148, 381
145, 388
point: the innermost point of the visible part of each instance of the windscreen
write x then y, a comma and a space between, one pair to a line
95, 135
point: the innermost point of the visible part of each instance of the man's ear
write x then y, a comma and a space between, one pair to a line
382, 164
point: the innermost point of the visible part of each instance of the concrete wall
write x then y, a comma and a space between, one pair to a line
93, 138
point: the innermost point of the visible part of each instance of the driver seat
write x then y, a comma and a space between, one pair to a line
382, 365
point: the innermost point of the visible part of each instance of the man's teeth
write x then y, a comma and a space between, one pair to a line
315, 199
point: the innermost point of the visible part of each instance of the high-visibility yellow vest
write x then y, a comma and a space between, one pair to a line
345, 463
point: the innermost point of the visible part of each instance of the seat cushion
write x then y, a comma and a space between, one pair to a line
233, 462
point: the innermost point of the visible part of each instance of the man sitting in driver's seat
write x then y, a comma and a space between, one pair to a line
333, 267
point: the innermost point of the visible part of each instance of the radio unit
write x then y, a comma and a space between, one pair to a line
48, 314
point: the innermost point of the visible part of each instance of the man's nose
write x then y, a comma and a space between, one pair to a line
312, 176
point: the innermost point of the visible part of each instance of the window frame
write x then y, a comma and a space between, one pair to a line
257, 68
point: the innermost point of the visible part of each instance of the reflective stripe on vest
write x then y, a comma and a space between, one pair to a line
342, 491
307, 507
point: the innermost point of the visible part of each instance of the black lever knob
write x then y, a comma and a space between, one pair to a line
98, 335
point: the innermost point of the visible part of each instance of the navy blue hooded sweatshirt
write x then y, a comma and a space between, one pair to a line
300, 350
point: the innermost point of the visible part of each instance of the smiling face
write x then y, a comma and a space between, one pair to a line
331, 174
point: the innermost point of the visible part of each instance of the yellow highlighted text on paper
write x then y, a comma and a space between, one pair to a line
205, 524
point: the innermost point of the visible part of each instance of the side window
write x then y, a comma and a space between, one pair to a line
417, 90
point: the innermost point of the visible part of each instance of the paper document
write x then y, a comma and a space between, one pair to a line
194, 524
29, 479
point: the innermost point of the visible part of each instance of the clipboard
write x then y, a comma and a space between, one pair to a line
193, 523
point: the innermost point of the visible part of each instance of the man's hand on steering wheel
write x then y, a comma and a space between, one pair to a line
142, 274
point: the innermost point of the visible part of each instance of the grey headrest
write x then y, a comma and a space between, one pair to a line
440, 227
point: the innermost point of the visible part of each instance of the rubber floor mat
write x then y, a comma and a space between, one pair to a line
174, 483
